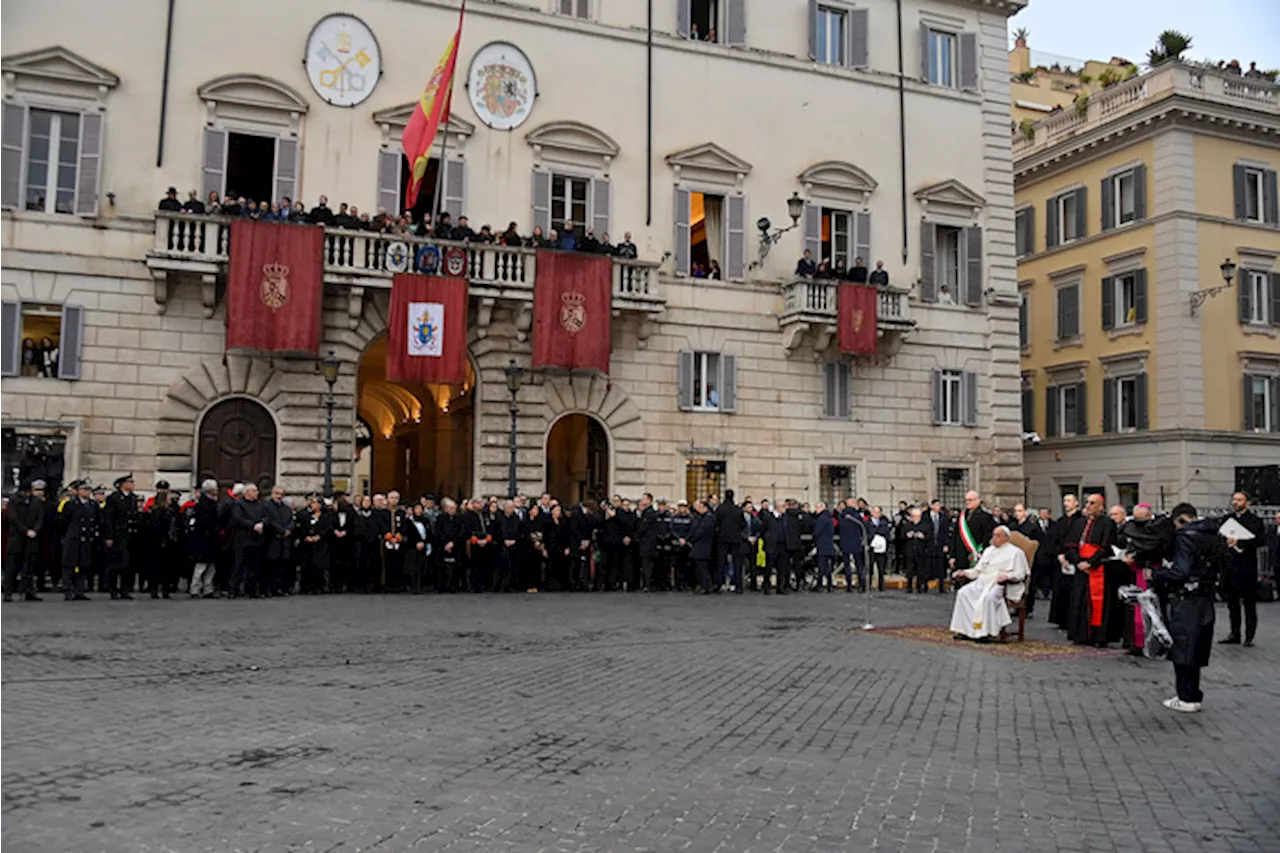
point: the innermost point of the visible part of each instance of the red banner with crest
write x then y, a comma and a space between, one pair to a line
427, 330
857, 318
275, 286
572, 305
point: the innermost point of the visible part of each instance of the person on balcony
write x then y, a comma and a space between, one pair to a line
462, 232
193, 204
824, 269
538, 240
713, 270
321, 214
485, 235
299, 214
805, 266
590, 244
511, 237
444, 225
858, 272
568, 240
626, 249
344, 219
232, 205
170, 201
879, 277
839, 270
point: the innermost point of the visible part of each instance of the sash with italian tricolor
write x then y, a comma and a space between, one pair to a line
966, 536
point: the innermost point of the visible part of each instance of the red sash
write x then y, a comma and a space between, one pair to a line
1097, 579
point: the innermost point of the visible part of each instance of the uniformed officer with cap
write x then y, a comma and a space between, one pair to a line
78, 518
120, 533
26, 520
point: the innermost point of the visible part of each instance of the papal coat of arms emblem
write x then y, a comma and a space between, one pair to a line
275, 285
573, 313
397, 259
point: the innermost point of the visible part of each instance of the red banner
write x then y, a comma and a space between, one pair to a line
572, 303
275, 286
427, 331
857, 318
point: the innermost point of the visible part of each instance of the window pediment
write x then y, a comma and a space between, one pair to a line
838, 179
56, 71
572, 143
253, 98
709, 162
950, 195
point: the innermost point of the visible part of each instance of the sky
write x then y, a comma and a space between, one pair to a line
1099, 29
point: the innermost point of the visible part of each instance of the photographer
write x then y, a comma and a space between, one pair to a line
1197, 562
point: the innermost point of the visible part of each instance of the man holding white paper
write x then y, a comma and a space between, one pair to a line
1244, 532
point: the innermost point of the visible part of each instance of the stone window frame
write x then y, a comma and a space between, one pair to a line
1062, 279
254, 105
710, 169
1061, 376
1118, 368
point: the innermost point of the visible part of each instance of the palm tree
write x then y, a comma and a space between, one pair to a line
1170, 45
1020, 34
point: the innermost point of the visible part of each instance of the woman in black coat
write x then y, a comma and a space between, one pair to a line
316, 540
557, 539
417, 541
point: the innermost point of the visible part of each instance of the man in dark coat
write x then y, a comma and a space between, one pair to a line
248, 528
508, 535
584, 523
648, 539
773, 530
678, 527
853, 543
321, 214
824, 542
1090, 610
794, 550
700, 538
78, 520
203, 542
878, 526
1240, 580
163, 556
1028, 525
750, 544
915, 548
450, 540
277, 553
980, 525
26, 521
1189, 579
120, 533
730, 526
1064, 545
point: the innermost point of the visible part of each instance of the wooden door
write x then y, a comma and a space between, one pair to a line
237, 445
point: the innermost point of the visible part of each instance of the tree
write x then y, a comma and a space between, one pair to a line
1021, 34
1170, 45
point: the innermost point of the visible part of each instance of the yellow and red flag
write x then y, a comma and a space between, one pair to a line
433, 110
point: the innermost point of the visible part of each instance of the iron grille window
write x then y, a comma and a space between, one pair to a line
952, 483
704, 478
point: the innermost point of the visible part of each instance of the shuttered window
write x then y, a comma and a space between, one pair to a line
1068, 326
836, 392
949, 59
954, 398
1255, 194
707, 381
42, 340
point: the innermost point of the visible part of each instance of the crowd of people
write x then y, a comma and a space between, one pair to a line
856, 273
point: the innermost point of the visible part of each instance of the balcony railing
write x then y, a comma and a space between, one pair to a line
817, 300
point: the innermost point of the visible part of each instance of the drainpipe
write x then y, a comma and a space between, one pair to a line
164, 85
648, 158
902, 135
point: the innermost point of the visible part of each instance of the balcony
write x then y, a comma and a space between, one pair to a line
201, 246
812, 303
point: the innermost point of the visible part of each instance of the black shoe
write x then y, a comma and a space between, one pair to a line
80, 598
782, 590
31, 596
1248, 644
1232, 640
8, 598
124, 596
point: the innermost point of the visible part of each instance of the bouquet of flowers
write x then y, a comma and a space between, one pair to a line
1158, 639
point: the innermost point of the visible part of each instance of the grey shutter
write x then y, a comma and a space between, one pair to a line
735, 23
969, 395
813, 231
1082, 414
1051, 412
1108, 203
1275, 298
928, 280
736, 233
859, 38
71, 342
286, 168
11, 161
455, 188
89, 172
684, 17
1140, 391
1275, 403
1051, 224
214, 169
844, 391
969, 62
1108, 302
601, 203
1082, 213
1139, 192
389, 181
1073, 310
728, 382
830, 388
813, 29
935, 395
1246, 295
1140, 296
1248, 403
862, 237
681, 215
1027, 230
924, 52
1108, 405
10, 337
973, 266
1028, 410
684, 380
541, 196
1270, 210
1238, 181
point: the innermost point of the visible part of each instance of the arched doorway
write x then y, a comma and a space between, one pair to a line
421, 436
237, 444
577, 461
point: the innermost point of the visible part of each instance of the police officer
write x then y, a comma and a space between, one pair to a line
26, 520
120, 534
78, 518
1198, 555
680, 525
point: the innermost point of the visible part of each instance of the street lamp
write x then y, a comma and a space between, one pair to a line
1198, 297
329, 366
515, 375
795, 208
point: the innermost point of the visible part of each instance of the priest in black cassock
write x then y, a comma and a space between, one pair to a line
1064, 542
1089, 608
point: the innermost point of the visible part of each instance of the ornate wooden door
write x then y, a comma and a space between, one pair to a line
237, 445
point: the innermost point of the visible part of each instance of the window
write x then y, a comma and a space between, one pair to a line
1024, 321
42, 340
569, 201
53, 148
950, 264
707, 381
837, 235
574, 8
1125, 402
1127, 495
32, 456
1070, 412
1066, 206
955, 398
711, 234
1068, 297
836, 402
951, 485
1261, 481
1254, 193
830, 38
950, 397
1124, 208
706, 371
942, 58
1261, 403
836, 483
949, 268
1259, 297
1028, 408
706, 233
251, 162
1124, 300
1024, 231
704, 478
1065, 410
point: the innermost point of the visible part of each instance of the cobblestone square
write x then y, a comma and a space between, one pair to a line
609, 722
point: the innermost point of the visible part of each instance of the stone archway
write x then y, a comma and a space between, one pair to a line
577, 458
607, 404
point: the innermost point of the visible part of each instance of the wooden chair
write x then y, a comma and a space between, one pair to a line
1029, 548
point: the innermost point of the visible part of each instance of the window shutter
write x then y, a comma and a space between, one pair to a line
1108, 203
1062, 315
1082, 415
286, 168
844, 391
1275, 403
859, 38
928, 272
601, 202
389, 181
969, 393
1274, 280
924, 52
1247, 398
1271, 213
1108, 302
813, 29
88, 174
830, 406
1139, 192
1108, 405
1140, 296
1140, 391
935, 395
541, 201
1082, 211
682, 215
1246, 295
455, 189
684, 380
684, 17
969, 62
1028, 410
728, 383
736, 251
1073, 311
1238, 181
973, 266
735, 23
862, 237
1028, 230
1024, 322
71, 342
1051, 412
567, 7
1051, 224
813, 231
11, 161
10, 337
213, 171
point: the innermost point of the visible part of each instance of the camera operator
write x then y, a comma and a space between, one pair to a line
1190, 578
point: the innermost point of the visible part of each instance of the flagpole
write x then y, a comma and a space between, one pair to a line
444, 159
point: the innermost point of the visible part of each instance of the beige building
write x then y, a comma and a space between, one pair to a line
713, 383
1040, 84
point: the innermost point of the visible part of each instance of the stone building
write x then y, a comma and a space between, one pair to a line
625, 124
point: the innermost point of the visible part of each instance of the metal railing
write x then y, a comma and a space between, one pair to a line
817, 297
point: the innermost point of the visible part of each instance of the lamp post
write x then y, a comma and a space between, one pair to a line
795, 207
329, 366
515, 375
1198, 297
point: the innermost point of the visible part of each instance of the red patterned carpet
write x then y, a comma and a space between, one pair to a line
1030, 650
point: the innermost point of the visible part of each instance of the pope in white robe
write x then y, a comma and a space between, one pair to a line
1000, 573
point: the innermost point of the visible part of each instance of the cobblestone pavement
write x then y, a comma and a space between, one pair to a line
609, 723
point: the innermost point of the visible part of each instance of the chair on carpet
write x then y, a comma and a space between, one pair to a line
1019, 607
